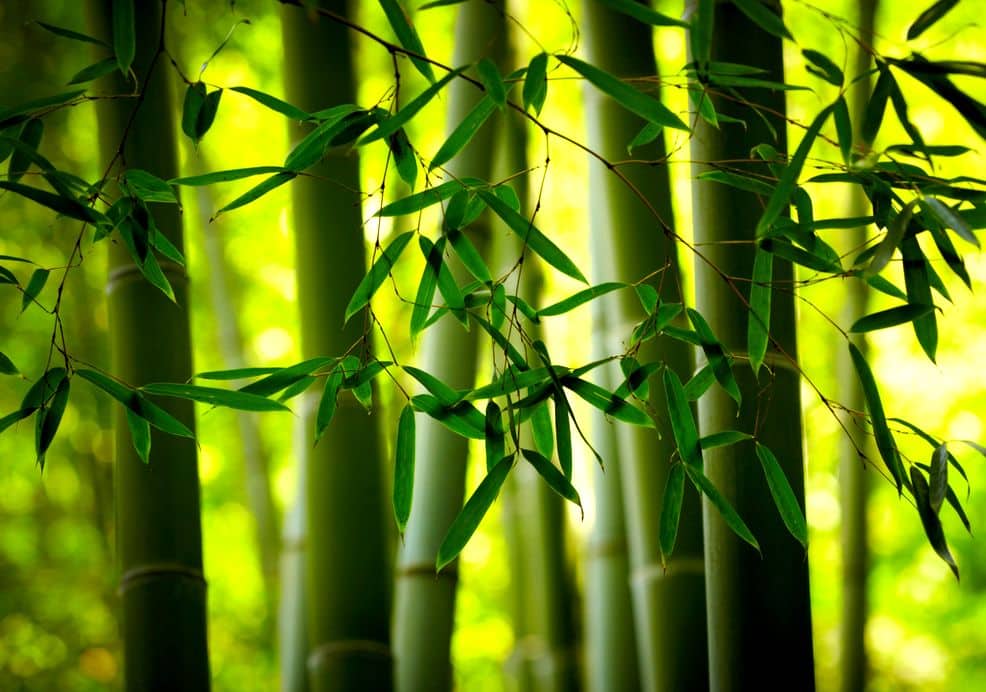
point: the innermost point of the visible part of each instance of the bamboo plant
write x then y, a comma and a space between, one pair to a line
158, 530
765, 592
348, 560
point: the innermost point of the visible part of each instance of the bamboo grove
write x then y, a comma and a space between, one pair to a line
696, 571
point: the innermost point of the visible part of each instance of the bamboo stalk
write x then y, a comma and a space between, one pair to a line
348, 557
748, 593
668, 604
159, 538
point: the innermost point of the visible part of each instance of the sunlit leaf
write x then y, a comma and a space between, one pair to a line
784, 498
311, 149
917, 275
682, 421
764, 17
140, 434
492, 81
843, 128
890, 317
580, 298
124, 34
606, 402
723, 439
462, 418
536, 83
929, 17
401, 118
34, 285
408, 37
148, 187
552, 476
472, 513
947, 216
876, 106
542, 430
426, 198
445, 394
716, 355
643, 13
674, 493
464, 131
726, 511
225, 176
758, 324
648, 108
824, 67
930, 521
699, 383
533, 238
71, 34
495, 438
30, 138
57, 203
404, 467
884, 438
272, 102
281, 378
214, 396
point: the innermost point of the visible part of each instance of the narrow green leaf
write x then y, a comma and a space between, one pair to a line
674, 494
876, 106
440, 3
444, 279
194, 98
542, 430
533, 238
740, 182
407, 36
938, 477
462, 418
716, 355
758, 325
274, 103
15, 417
124, 36
495, 438
929, 17
931, 75
729, 515
426, 198
50, 417
515, 356
957, 506
140, 434
404, 467
445, 394
70, 34
890, 317
826, 69
784, 249
29, 139
57, 203
471, 259
151, 270
789, 177
401, 118
935, 444
207, 113
259, 190
784, 498
554, 478
699, 383
606, 402
892, 240
648, 133
950, 219
884, 438
281, 378
643, 13
764, 17
225, 176
464, 132
843, 128
648, 297
510, 381
236, 374
7, 366
646, 107
404, 157
312, 147
930, 521
723, 439
327, 404
214, 396
134, 401
492, 81
21, 112
34, 285
682, 422
472, 513
536, 83
580, 298
637, 378
563, 435
41, 392
917, 282
148, 187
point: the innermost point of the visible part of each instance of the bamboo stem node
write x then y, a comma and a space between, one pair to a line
158, 570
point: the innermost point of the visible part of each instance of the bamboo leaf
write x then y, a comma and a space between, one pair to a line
148, 187
948, 218
400, 119
784, 498
7, 366
542, 430
536, 83
445, 394
740, 182
890, 317
930, 521
462, 418
212, 395
729, 515
327, 404
236, 374
682, 422
533, 238
312, 147
764, 17
646, 107
19, 113
377, 275
225, 176
938, 477
495, 438
674, 494
464, 132
472, 513
426, 198
444, 279
124, 36
29, 139
281, 378
50, 417
70, 34
513, 380
723, 439
758, 324
259, 190
884, 438
843, 128
140, 434
876, 106
826, 69
15, 417
917, 283
207, 113
39, 277
643, 13
471, 259
789, 177
492, 81
426, 291
927, 18
606, 402
699, 383
404, 158
563, 435
892, 240
151, 270
57, 203
404, 467
408, 37
273, 103
580, 298
553, 477
191, 106
716, 355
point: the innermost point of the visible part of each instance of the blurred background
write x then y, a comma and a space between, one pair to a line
57, 576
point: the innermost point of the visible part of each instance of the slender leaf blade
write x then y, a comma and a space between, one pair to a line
784, 498
674, 494
404, 467
466, 523
726, 510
